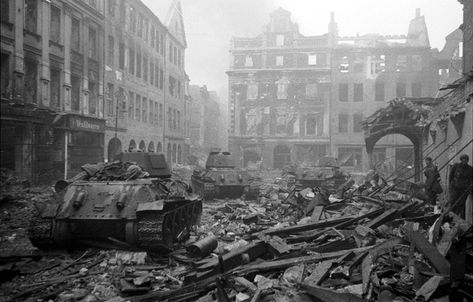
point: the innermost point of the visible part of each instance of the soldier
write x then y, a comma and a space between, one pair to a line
460, 184
432, 181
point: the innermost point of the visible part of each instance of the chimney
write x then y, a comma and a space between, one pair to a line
417, 12
332, 16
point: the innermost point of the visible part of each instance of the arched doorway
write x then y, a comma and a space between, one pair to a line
142, 146
159, 148
281, 156
250, 157
151, 147
179, 154
174, 153
132, 145
114, 148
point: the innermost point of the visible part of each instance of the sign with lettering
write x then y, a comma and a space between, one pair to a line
86, 124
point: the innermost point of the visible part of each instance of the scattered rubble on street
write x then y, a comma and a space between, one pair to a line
364, 243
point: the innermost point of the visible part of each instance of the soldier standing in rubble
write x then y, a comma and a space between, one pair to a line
432, 181
460, 181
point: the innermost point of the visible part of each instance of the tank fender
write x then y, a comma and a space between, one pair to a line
157, 205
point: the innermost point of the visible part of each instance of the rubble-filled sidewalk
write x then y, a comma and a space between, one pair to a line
292, 244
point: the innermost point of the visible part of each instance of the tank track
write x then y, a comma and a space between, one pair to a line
155, 229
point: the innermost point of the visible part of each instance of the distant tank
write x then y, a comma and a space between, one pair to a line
221, 179
325, 174
132, 200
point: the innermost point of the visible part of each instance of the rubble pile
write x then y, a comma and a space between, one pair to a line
368, 242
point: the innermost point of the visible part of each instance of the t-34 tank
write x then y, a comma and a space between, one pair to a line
221, 179
325, 174
132, 200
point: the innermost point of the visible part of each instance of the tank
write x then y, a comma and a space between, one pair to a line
221, 179
325, 174
132, 201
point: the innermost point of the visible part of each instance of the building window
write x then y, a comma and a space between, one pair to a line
178, 88
156, 75
358, 92
131, 105
358, 63
312, 59
279, 40
172, 85
400, 89
169, 117
416, 63
140, 25
377, 64
416, 89
131, 57
109, 95
132, 19
55, 88
93, 97
146, 33
138, 64
161, 79
156, 116
158, 41
153, 36
311, 126
31, 80
75, 34
31, 16
75, 93
138, 108
55, 24
379, 92
401, 63
151, 111
145, 67
174, 119
175, 55
5, 11
350, 156
144, 115
357, 119
110, 50
179, 58
279, 60
121, 56
161, 112
170, 52
151, 72
161, 48
344, 64
343, 92
5, 77
112, 6
343, 123
92, 43
311, 91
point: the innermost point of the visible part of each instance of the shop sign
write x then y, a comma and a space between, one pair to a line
86, 124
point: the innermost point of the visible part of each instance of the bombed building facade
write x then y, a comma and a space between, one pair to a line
279, 95
294, 99
84, 80
51, 86
145, 104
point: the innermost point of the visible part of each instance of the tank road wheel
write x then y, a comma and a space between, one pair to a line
62, 233
130, 233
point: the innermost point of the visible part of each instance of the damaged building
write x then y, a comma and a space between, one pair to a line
51, 86
145, 102
279, 95
294, 99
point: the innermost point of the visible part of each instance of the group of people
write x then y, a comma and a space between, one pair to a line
460, 182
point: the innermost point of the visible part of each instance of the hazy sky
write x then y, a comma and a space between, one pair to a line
210, 24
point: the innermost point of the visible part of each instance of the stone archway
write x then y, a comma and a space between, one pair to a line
132, 145
114, 147
281, 156
159, 148
151, 147
250, 156
142, 146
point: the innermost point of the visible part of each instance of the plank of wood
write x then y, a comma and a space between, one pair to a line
247, 284
320, 272
316, 213
387, 216
430, 252
329, 295
306, 227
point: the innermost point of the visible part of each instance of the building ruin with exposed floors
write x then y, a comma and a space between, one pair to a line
295, 98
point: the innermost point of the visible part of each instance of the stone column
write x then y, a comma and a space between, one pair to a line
44, 15
19, 62
67, 59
